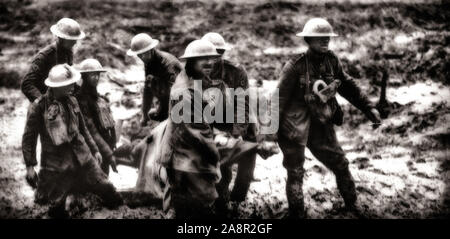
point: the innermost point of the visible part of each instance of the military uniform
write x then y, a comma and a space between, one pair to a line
299, 129
160, 73
235, 76
99, 122
190, 155
67, 164
33, 83
125, 151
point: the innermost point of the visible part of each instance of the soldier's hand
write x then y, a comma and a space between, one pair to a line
98, 157
113, 163
221, 140
267, 149
31, 177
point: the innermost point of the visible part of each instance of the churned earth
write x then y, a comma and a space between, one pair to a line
401, 169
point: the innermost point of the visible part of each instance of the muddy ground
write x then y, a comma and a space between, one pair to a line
401, 169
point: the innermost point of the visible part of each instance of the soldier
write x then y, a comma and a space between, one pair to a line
67, 32
188, 151
307, 114
137, 134
96, 112
234, 76
67, 164
161, 69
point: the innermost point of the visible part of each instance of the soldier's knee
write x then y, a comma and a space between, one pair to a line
340, 165
294, 159
293, 155
247, 166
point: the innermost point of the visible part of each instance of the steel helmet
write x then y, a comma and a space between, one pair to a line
67, 28
90, 65
141, 43
62, 75
317, 27
217, 40
199, 48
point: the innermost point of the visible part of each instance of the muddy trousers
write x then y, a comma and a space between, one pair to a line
323, 145
244, 177
191, 195
54, 187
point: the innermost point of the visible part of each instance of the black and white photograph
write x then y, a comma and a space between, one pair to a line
218, 110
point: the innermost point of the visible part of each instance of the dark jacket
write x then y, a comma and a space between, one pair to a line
293, 111
234, 76
65, 141
98, 118
33, 82
160, 74
189, 147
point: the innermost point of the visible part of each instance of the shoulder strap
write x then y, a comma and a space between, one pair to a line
39, 99
327, 60
222, 68
307, 90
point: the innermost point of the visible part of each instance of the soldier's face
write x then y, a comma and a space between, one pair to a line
146, 56
204, 65
134, 128
319, 44
66, 44
63, 91
91, 78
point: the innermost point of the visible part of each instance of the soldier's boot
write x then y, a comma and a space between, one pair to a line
73, 205
347, 190
243, 179
222, 187
110, 197
58, 212
188, 210
57, 208
294, 193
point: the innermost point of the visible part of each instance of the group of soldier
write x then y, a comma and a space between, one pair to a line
78, 137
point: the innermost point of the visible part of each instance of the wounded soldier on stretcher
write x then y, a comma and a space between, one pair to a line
143, 151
